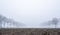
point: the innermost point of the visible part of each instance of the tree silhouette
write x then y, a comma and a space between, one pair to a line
54, 21
4, 21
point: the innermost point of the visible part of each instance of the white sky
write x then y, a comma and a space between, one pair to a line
30, 12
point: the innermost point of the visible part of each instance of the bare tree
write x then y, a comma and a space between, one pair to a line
4, 21
54, 21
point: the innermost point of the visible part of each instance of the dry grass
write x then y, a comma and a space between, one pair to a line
30, 31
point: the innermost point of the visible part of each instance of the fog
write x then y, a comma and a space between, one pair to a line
30, 12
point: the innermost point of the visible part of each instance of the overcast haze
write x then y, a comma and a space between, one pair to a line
30, 12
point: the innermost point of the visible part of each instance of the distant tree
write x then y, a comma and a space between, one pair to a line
5, 21
55, 22
0, 22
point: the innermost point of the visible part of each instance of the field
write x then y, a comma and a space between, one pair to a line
30, 31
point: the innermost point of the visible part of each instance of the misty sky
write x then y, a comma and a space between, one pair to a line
30, 12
